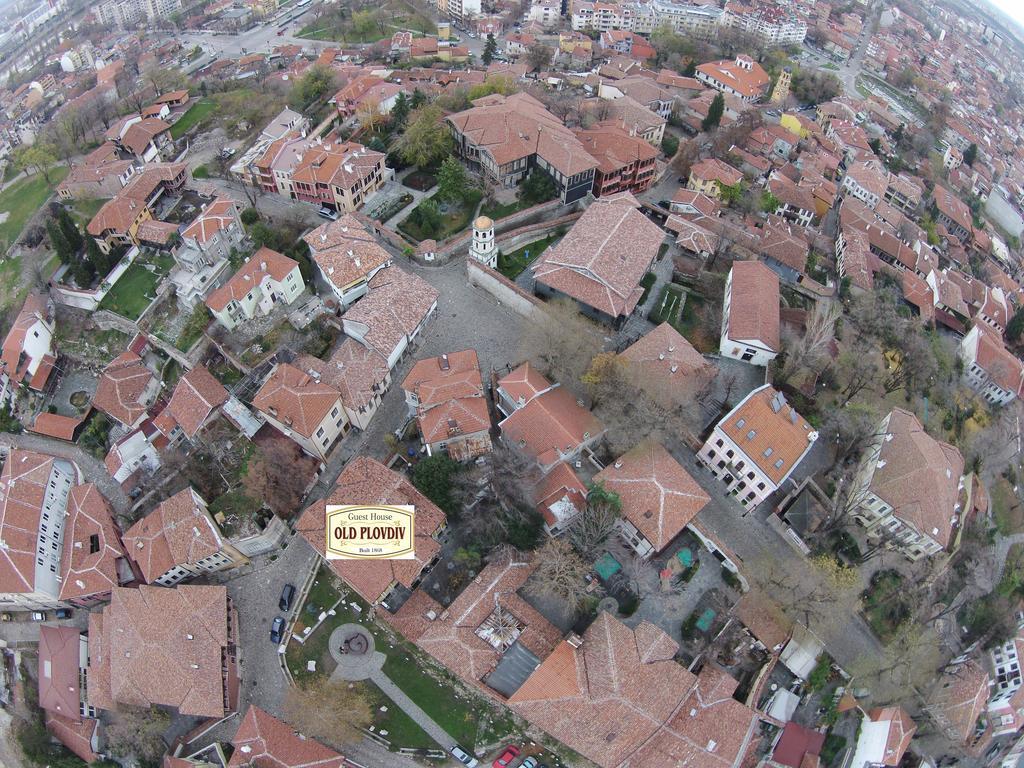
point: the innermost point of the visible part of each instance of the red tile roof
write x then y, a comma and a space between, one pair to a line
218, 215
15, 362
87, 572
196, 396
524, 383
59, 654
55, 425
658, 496
263, 741
156, 645
602, 259
749, 83
549, 425
264, 263
295, 399
754, 304
345, 250
367, 481
435, 380
179, 531
122, 387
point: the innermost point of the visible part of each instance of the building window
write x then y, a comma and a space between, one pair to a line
94, 543
320, 432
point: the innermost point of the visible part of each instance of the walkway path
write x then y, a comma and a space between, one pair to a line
370, 666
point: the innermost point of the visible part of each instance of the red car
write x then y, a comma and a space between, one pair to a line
510, 754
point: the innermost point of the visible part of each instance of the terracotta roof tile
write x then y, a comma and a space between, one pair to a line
524, 383
90, 566
758, 428
549, 425
261, 265
294, 398
754, 304
124, 389
346, 251
263, 741
59, 653
196, 396
398, 301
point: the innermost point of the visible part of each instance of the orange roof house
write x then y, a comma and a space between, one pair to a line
742, 77
196, 398
552, 427
367, 481
264, 741
659, 498
126, 389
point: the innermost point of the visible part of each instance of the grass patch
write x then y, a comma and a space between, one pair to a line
831, 749
10, 171
135, 290
196, 114
647, 281
498, 210
884, 609
454, 221
200, 172
421, 181
512, 264
470, 719
1006, 509
22, 199
402, 730
668, 305
10, 270
84, 209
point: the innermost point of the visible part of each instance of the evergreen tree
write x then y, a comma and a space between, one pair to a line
714, 113
490, 49
1016, 326
70, 230
400, 110
451, 180
418, 99
58, 242
101, 262
971, 154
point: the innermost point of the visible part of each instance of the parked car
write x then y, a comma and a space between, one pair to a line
287, 596
6, 617
463, 756
277, 630
505, 759
62, 613
327, 213
530, 762
37, 616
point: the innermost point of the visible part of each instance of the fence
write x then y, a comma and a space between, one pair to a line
90, 299
504, 290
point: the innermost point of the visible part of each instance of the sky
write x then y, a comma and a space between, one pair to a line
1012, 8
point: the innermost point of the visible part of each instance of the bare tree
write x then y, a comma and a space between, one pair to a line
138, 732
809, 352
560, 574
562, 343
591, 528
330, 711
273, 477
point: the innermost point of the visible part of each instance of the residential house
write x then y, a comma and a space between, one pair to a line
304, 408
659, 498
958, 704
201, 262
643, 707
549, 427
28, 356
884, 737
989, 367
117, 222
347, 256
360, 375
666, 366
601, 260
693, 239
559, 497
135, 454
61, 680
197, 400
390, 318
126, 389
505, 137
903, 193
519, 387
757, 445
694, 205
62, 545
265, 280
867, 182
783, 250
447, 395
147, 139
797, 747
750, 314
909, 489
642, 90
366, 94
854, 259
171, 647
367, 481
632, 116
849, 139
625, 163
263, 740
100, 180
795, 202
180, 540
1006, 695
710, 175
952, 213
742, 77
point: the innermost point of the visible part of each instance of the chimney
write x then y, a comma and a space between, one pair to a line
574, 640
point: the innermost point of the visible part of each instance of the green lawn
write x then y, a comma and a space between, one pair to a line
83, 209
1007, 512
500, 210
132, 293
647, 281
667, 306
22, 199
512, 264
470, 719
883, 607
195, 115
452, 222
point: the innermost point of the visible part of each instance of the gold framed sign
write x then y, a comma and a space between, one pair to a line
370, 532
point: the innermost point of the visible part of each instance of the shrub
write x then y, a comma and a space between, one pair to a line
250, 216
731, 579
628, 604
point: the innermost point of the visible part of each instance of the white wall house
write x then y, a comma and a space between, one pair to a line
266, 279
750, 314
989, 368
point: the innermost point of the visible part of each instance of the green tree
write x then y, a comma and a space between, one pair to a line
971, 154
58, 242
714, 113
426, 140
537, 188
8, 421
418, 98
427, 216
70, 230
400, 110
317, 83
102, 262
434, 477
452, 181
731, 194
669, 145
38, 158
1015, 327
770, 203
490, 49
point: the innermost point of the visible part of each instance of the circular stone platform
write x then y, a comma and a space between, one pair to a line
352, 647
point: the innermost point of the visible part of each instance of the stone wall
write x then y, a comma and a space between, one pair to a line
503, 290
